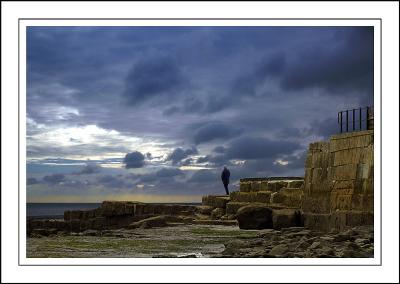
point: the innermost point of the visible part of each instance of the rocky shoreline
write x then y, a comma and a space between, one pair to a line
198, 240
264, 219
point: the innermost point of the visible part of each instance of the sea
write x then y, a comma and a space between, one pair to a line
56, 210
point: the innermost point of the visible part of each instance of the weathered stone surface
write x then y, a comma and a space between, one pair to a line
290, 197
285, 218
118, 208
254, 217
296, 184
245, 186
317, 221
44, 232
216, 222
339, 181
217, 213
317, 202
157, 221
204, 209
261, 196
216, 201
279, 250
233, 207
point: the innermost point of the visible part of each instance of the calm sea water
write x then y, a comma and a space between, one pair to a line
55, 210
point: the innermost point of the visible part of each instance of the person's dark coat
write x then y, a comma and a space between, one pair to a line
225, 176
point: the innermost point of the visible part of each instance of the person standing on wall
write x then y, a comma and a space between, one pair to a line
225, 178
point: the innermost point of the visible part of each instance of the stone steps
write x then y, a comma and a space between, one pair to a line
269, 185
260, 196
233, 207
216, 201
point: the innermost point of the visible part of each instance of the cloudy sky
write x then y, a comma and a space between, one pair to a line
154, 113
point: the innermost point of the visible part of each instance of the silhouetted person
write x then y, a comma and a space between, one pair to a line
225, 179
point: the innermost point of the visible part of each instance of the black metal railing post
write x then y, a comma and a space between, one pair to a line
341, 122
368, 118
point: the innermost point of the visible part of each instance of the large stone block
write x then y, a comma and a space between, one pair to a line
348, 156
364, 186
341, 220
255, 186
293, 197
261, 196
285, 218
345, 172
264, 185
217, 213
316, 203
296, 184
118, 208
363, 170
245, 186
347, 185
233, 207
204, 209
215, 200
254, 217
340, 201
73, 215
315, 221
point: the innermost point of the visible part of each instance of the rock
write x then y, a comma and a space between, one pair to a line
296, 183
44, 232
279, 250
217, 213
204, 209
265, 233
341, 237
327, 238
302, 245
361, 241
255, 217
216, 222
216, 201
157, 221
90, 233
233, 207
314, 245
287, 218
299, 234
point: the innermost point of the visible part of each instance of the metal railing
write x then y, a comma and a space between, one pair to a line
356, 119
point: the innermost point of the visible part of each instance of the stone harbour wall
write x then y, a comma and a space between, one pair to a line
339, 182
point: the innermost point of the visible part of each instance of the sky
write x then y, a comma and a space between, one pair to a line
154, 113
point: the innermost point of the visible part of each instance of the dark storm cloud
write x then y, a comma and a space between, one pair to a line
54, 178
31, 180
214, 160
153, 77
169, 172
257, 148
89, 169
348, 64
203, 176
179, 154
270, 67
219, 149
134, 160
214, 131
112, 181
